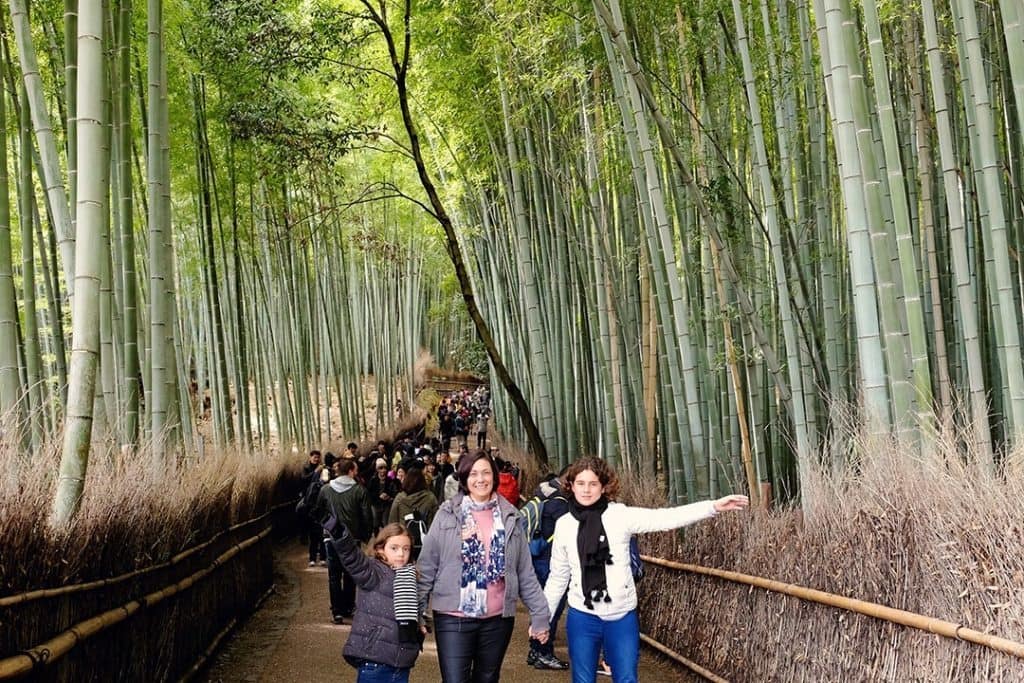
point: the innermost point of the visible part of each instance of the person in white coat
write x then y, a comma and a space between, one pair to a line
590, 558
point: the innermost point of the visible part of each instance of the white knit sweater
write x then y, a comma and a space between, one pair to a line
620, 523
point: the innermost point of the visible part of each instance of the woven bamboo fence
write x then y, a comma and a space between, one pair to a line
151, 624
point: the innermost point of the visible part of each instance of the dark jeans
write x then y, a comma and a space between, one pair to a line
372, 672
471, 650
542, 568
481, 438
316, 540
342, 587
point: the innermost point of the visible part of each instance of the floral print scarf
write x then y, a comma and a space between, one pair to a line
479, 568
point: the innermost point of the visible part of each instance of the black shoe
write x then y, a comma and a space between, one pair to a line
531, 658
338, 619
545, 661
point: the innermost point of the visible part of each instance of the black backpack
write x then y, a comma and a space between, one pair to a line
308, 500
417, 528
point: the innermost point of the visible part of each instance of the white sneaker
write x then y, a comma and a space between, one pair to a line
312, 563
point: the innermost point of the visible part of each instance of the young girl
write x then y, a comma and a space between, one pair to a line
387, 634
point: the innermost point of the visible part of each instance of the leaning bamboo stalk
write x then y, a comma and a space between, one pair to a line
940, 627
56, 195
58, 646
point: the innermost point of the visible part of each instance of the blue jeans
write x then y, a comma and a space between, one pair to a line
621, 640
372, 672
542, 567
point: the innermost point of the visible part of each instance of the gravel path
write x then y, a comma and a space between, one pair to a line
291, 638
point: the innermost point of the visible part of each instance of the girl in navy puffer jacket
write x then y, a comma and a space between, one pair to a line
387, 629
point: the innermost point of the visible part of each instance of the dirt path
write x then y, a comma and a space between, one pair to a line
291, 638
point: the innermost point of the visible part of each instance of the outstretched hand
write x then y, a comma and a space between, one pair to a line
541, 636
729, 503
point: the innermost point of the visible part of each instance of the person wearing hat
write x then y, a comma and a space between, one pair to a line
381, 490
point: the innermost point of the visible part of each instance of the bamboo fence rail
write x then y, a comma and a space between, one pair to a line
896, 616
28, 596
51, 650
204, 658
691, 665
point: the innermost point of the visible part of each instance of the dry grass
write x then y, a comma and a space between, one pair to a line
133, 514
931, 534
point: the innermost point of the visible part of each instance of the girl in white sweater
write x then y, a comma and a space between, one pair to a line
590, 557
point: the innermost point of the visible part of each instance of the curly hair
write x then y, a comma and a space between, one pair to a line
376, 548
605, 474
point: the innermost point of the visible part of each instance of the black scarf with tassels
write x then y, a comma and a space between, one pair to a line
592, 545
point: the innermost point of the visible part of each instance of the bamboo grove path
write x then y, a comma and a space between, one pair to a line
291, 638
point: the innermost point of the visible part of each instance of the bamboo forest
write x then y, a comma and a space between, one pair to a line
275, 272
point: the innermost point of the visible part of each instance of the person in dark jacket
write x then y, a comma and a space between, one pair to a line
381, 490
345, 500
311, 532
388, 625
556, 504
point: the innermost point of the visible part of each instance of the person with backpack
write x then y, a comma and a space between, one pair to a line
414, 508
590, 557
309, 528
344, 499
314, 478
540, 514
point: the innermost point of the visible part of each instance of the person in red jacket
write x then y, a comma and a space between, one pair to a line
508, 482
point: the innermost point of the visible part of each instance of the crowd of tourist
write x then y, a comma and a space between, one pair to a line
449, 550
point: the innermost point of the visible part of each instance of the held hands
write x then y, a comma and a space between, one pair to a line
730, 503
541, 636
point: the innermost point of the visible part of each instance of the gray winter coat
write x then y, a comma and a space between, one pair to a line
440, 565
374, 635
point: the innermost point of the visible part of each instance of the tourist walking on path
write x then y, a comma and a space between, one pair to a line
312, 534
381, 491
590, 558
387, 628
345, 500
413, 505
556, 504
474, 566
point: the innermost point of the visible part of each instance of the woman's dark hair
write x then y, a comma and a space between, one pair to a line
605, 474
414, 480
465, 464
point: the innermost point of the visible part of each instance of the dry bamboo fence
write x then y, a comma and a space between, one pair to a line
789, 632
166, 615
896, 616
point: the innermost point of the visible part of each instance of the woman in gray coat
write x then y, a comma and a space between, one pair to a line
474, 566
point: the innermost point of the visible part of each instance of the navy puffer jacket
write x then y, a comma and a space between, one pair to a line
374, 636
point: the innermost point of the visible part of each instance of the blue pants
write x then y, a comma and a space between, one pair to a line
372, 672
621, 641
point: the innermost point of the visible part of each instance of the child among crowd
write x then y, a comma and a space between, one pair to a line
387, 628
